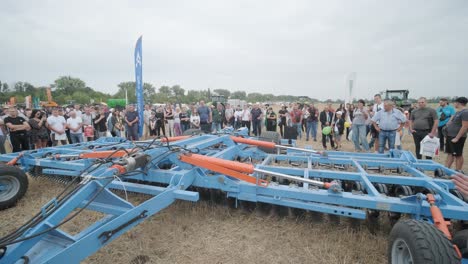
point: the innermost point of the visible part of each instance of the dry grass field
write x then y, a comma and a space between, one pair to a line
205, 233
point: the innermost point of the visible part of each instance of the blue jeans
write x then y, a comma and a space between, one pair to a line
76, 138
257, 127
298, 127
383, 137
184, 126
132, 133
215, 127
311, 129
359, 137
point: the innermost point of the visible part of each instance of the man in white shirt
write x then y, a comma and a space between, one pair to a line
378, 105
56, 123
229, 115
246, 118
238, 117
77, 110
75, 124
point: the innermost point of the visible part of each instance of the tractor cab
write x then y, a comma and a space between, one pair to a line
400, 97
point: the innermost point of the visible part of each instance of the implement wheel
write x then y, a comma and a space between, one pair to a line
461, 240
419, 242
13, 185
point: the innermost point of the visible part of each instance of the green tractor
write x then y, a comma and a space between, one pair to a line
400, 97
218, 99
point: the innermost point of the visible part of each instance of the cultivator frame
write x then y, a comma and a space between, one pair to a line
232, 167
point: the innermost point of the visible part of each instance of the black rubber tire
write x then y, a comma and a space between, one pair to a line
439, 173
12, 175
192, 132
458, 194
425, 242
270, 136
461, 240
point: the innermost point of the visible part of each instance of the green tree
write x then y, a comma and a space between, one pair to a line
6, 88
255, 97
241, 95
269, 97
224, 92
18, 87
126, 88
178, 93
29, 88
130, 87
68, 85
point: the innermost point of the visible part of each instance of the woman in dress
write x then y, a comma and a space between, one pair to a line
38, 132
195, 119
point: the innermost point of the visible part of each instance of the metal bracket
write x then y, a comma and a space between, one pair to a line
108, 234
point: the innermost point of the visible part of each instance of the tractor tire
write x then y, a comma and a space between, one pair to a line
461, 240
270, 136
419, 242
13, 183
193, 132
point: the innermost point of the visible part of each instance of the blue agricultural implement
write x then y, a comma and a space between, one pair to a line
265, 173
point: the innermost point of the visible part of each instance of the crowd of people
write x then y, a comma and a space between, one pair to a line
371, 128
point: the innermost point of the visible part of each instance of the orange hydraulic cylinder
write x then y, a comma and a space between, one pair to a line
258, 143
223, 170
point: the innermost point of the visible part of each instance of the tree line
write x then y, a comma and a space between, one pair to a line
68, 89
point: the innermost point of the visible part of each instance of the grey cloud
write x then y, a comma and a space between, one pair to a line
281, 47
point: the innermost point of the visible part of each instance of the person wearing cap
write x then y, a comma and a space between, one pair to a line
456, 134
387, 122
445, 111
423, 122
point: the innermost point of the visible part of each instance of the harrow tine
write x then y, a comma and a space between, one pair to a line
248, 207
216, 196
264, 208
334, 219
316, 217
299, 213
281, 211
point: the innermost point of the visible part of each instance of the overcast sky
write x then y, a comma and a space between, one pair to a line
279, 47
